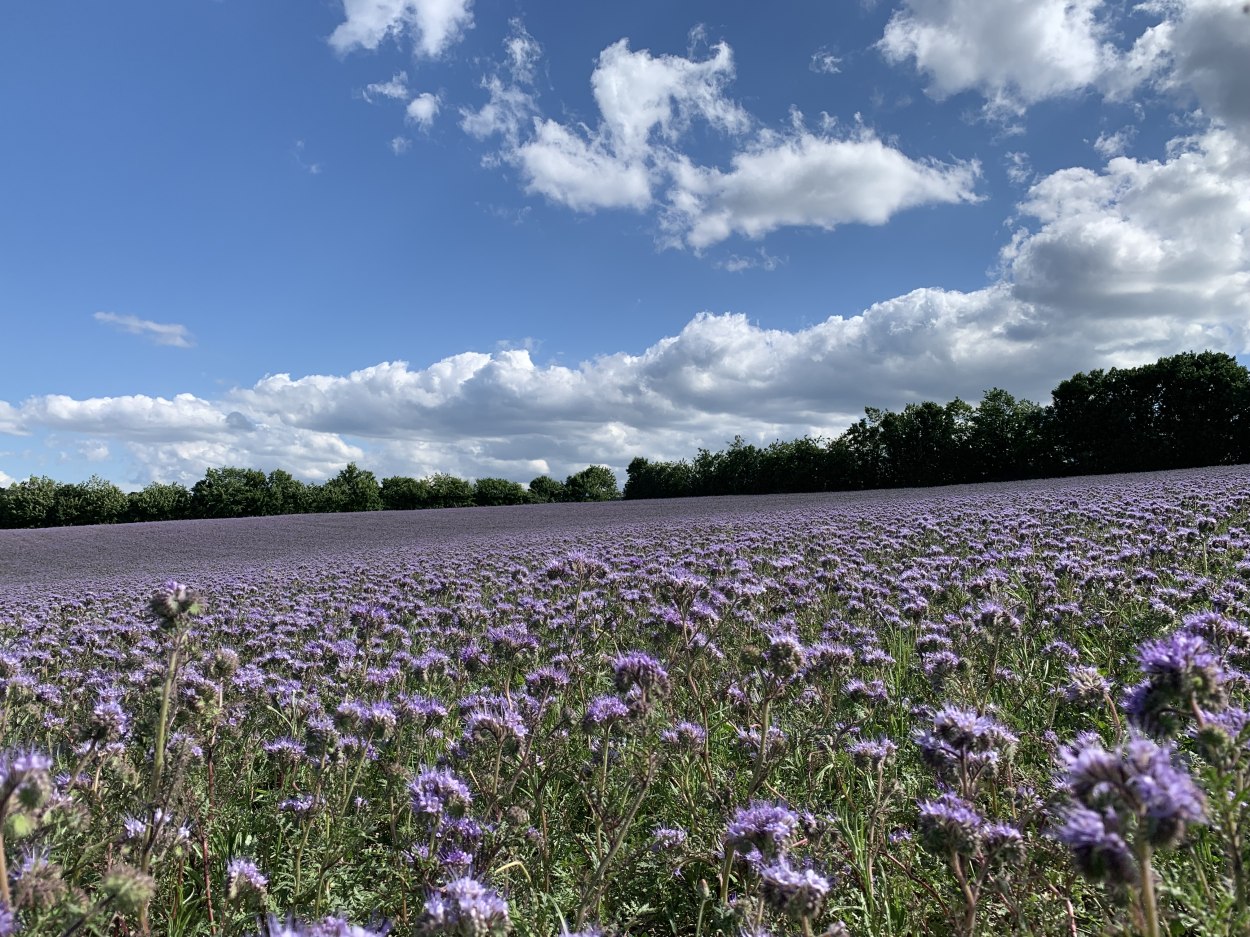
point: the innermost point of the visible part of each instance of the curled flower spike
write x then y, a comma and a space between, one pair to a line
464, 907
763, 827
173, 601
1182, 675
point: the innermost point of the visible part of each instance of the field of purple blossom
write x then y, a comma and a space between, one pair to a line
1006, 709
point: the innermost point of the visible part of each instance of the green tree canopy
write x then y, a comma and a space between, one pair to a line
230, 492
495, 491
544, 489
449, 491
352, 489
158, 501
593, 483
95, 501
29, 503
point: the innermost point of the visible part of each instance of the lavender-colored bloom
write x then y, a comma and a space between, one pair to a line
799, 893
872, 752
546, 680
604, 711
963, 745
1100, 851
828, 659
949, 823
686, 736
785, 655
464, 907
1181, 673
330, 927
174, 600
1139, 779
244, 880
939, 664
495, 720
762, 827
435, 792
638, 669
1085, 685
667, 838
1002, 842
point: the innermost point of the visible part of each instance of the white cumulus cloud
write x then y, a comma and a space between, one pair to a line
432, 26
634, 157
1013, 52
810, 181
423, 109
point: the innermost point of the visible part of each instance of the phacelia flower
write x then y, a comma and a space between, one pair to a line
464, 907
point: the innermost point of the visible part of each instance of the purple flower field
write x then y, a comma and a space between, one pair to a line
1004, 709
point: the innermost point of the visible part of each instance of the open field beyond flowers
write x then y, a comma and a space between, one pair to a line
1008, 709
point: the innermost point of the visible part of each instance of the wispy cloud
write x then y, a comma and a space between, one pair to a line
162, 333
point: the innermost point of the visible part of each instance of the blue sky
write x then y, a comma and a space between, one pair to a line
508, 238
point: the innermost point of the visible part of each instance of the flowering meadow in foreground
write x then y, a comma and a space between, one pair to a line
1010, 709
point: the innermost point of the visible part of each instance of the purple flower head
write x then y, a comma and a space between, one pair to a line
603, 712
25, 778
1097, 846
798, 893
949, 823
435, 792
546, 680
872, 752
785, 656
173, 600
1085, 685
637, 669
963, 745
667, 838
108, 723
685, 736
828, 659
330, 927
1002, 842
464, 907
1138, 780
937, 665
1181, 673
244, 880
494, 720
762, 827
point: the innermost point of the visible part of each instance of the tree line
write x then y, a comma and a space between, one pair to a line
240, 492
1183, 411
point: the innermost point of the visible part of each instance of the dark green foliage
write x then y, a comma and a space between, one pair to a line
401, 493
159, 502
352, 489
489, 492
544, 490
593, 483
29, 503
448, 491
285, 494
94, 501
230, 492
1180, 412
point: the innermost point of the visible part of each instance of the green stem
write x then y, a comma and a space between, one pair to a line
1149, 909
162, 728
